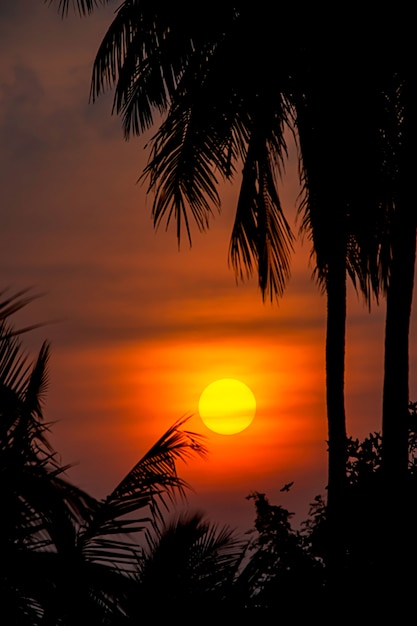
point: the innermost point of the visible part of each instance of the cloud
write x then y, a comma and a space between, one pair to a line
21, 120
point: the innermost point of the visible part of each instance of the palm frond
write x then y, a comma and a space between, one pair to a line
157, 468
147, 50
190, 559
13, 303
149, 74
181, 174
14, 364
37, 385
151, 484
22, 386
143, 54
261, 237
83, 7
39, 500
9, 305
204, 133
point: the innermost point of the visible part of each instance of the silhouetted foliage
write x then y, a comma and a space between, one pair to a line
224, 110
67, 558
190, 562
281, 566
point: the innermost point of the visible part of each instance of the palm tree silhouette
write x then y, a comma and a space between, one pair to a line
222, 108
66, 556
400, 257
189, 562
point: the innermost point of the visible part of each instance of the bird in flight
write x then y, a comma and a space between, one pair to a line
287, 487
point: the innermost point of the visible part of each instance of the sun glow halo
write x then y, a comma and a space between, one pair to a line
227, 406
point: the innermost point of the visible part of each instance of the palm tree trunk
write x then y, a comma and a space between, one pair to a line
400, 290
396, 365
337, 441
397, 525
395, 414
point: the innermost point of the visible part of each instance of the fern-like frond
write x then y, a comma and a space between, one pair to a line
152, 484
261, 238
82, 7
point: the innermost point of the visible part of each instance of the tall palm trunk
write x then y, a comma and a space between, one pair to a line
325, 218
400, 284
396, 529
336, 420
396, 365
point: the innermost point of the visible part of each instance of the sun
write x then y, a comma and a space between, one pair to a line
227, 406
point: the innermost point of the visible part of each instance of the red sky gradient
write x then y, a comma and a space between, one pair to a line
138, 328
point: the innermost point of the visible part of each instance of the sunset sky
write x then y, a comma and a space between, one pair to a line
139, 328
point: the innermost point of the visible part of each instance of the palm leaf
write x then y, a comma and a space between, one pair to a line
83, 7
190, 560
37, 384
261, 237
152, 484
158, 466
146, 51
143, 56
22, 385
181, 175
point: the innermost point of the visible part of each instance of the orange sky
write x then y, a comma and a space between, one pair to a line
138, 329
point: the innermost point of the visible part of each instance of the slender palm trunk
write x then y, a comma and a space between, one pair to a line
396, 365
397, 527
337, 441
400, 291
400, 288
395, 415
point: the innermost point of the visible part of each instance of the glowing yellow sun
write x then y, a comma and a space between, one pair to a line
227, 406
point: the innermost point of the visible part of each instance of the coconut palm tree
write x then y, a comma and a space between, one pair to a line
222, 109
400, 280
206, 76
191, 563
66, 556
345, 206
399, 259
